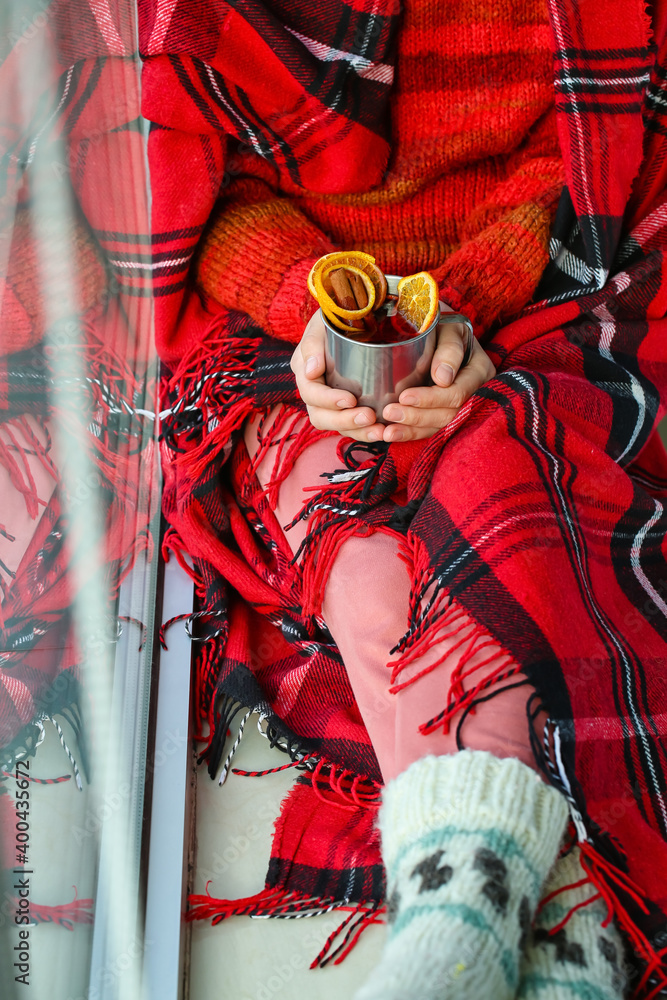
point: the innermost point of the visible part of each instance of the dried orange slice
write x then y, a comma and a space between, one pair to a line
418, 300
351, 259
329, 305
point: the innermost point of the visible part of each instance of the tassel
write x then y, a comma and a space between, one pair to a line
79, 911
290, 433
608, 880
167, 625
38, 781
293, 443
465, 702
140, 625
225, 713
210, 395
610, 883
269, 903
70, 756
283, 905
235, 745
206, 674
348, 790
365, 916
304, 762
436, 619
173, 543
22, 479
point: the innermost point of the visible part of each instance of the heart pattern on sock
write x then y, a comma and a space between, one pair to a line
494, 868
566, 951
431, 875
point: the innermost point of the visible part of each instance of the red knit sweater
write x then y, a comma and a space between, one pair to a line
470, 191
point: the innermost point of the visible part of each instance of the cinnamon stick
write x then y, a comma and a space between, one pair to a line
344, 295
342, 289
358, 289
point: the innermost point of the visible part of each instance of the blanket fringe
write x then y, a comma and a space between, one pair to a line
434, 619
172, 543
335, 514
317, 554
45, 717
276, 903
222, 713
291, 433
330, 782
209, 396
79, 911
38, 781
343, 788
300, 763
283, 905
355, 924
611, 883
14, 457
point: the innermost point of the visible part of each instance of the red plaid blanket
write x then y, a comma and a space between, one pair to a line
539, 509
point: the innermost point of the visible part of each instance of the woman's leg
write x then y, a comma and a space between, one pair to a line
366, 609
468, 839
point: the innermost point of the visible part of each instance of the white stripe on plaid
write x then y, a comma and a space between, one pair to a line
578, 148
636, 80
360, 64
569, 263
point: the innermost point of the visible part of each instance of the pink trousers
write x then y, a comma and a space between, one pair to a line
366, 610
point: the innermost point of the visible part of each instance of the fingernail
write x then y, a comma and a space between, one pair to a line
363, 418
396, 435
393, 413
444, 374
373, 436
311, 364
409, 400
343, 403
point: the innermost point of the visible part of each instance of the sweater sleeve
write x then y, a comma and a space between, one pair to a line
260, 247
256, 257
496, 269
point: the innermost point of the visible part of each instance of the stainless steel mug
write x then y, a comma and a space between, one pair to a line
376, 374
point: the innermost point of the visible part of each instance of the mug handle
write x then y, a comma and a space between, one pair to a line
469, 332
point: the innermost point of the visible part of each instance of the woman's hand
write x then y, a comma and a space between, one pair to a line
420, 411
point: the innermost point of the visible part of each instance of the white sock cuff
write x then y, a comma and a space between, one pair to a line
473, 790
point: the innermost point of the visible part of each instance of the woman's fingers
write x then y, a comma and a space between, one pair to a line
355, 422
309, 354
316, 394
424, 408
480, 369
449, 352
308, 366
410, 416
329, 409
394, 432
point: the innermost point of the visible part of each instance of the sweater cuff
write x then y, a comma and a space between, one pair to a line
461, 303
292, 305
494, 276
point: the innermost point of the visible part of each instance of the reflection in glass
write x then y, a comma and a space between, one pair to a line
78, 501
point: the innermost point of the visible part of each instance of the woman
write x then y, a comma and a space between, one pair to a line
512, 489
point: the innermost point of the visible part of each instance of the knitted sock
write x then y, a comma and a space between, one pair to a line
467, 842
581, 961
